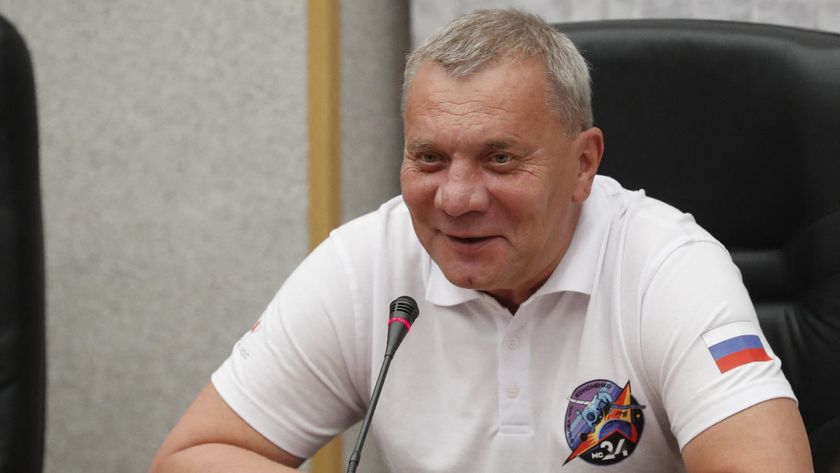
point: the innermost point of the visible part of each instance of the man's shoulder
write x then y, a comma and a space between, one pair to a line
382, 240
646, 220
645, 231
390, 221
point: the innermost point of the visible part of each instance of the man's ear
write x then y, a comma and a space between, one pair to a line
590, 148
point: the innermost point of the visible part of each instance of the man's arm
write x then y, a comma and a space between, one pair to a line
767, 437
726, 419
211, 437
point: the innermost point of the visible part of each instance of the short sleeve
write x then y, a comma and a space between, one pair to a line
701, 342
294, 376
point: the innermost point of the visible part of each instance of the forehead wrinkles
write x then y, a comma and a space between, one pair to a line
485, 106
460, 123
474, 107
468, 125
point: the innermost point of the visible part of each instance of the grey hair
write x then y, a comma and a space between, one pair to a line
483, 37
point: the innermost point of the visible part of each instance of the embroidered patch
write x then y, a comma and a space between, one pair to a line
604, 422
735, 344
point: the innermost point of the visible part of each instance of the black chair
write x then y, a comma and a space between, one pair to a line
22, 358
739, 124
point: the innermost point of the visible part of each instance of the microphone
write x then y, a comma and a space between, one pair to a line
402, 314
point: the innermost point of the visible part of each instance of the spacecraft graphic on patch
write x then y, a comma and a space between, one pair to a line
604, 422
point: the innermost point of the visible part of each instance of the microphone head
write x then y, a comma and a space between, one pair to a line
403, 313
406, 308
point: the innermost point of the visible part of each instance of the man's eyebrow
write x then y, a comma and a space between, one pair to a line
420, 145
498, 144
495, 144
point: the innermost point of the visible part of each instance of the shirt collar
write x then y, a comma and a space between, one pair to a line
576, 271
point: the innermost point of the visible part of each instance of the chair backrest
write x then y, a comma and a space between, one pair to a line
739, 125
22, 358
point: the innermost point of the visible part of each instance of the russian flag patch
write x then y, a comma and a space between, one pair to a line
735, 344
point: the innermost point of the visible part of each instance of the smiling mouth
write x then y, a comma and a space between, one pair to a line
469, 240
471, 243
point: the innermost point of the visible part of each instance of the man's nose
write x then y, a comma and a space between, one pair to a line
462, 191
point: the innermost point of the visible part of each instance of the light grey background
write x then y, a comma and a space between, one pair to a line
429, 15
375, 39
174, 181
173, 163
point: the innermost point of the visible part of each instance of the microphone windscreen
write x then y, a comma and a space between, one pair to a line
405, 307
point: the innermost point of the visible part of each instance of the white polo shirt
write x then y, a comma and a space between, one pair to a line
642, 337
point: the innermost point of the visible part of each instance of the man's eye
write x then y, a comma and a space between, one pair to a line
428, 158
501, 158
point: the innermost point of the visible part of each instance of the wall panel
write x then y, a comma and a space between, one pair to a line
174, 153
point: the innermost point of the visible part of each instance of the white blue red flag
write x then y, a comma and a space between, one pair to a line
735, 344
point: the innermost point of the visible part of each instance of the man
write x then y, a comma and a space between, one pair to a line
567, 324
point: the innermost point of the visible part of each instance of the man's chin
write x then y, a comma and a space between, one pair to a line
479, 271
469, 279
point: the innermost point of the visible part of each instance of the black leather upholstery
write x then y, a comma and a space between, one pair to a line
739, 124
21, 264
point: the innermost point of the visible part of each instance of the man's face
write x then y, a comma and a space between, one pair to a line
491, 176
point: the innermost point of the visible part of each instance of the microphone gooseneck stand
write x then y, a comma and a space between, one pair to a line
402, 314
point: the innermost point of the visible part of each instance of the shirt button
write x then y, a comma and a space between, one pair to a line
513, 392
513, 343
